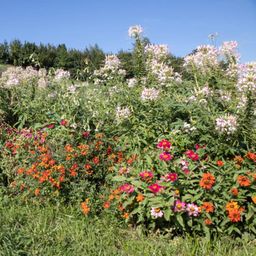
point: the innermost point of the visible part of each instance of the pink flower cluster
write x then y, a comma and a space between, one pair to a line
126, 188
192, 155
166, 146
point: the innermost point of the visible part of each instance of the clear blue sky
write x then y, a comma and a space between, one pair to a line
182, 24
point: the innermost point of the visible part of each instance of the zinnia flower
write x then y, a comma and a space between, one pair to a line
192, 155
243, 181
171, 177
231, 206
156, 212
164, 144
208, 207
155, 188
234, 191
234, 215
207, 181
192, 210
165, 156
179, 206
146, 175
139, 198
126, 188
208, 222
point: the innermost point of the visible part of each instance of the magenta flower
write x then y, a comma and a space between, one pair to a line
165, 156
192, 210
126, 188
146, 175
155, 188
164, 144
192, 155
171, 177
179, 206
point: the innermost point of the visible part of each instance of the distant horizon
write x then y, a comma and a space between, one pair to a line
182, 25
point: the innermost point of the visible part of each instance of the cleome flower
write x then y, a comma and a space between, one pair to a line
135, 31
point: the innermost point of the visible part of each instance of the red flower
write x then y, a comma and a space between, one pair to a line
171, 177
155, 188
96, 160
146, 175
192, 155
164, 144
220, 163
50, 126
64, 122
234, 215
86, 134
165, 156
243, 181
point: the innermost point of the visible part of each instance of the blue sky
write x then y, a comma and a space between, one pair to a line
182, 24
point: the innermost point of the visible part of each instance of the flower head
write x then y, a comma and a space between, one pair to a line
126, 188
179, 206
207, 181
171, 177
155, 188
165, 156
208, 207
243, 181
164, 144
135, 31
192, 210
146, 175
156, 212
192, 155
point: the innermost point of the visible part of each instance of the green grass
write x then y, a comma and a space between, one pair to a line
58, 230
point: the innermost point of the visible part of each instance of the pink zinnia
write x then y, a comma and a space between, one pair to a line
179, 206
192, 210
156, 212
164, 144
146, 175
155, 188
165, 156
171, 177
126, 188
192, 155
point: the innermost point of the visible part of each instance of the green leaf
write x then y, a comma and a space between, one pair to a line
180, 220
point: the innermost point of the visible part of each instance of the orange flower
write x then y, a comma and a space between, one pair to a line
96, 160
239, 160
140, 198
126, 215
106, 205
120, 207
220, 163
111, 197
37, 192
69, 148
207, 181
85, 207
234, 191
234, 215
208, 222
251, 156
231, 206
254, 199
243, 181
20, 171
99, 135
208, 207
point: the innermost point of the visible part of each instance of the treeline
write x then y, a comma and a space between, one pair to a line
81, 64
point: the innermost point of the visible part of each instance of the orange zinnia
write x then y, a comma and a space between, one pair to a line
140, 198
126, 215
254, 199
85, 207
251, 156
231, 206
234, 215
37, 192
208, 207
220, 163
106, 205
234, 191
208, 222
207, 181
243, 181
239, 160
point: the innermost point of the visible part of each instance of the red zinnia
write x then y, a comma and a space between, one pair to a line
243, 181
165, 156
192, 155
155, 188
234, 215
164, 144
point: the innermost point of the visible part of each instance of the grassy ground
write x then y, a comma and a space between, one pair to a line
57, 230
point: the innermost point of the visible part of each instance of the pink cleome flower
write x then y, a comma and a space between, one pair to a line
179, 206
165, 156
164, 144
192, 155
146, 175
155, 188
126, 188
